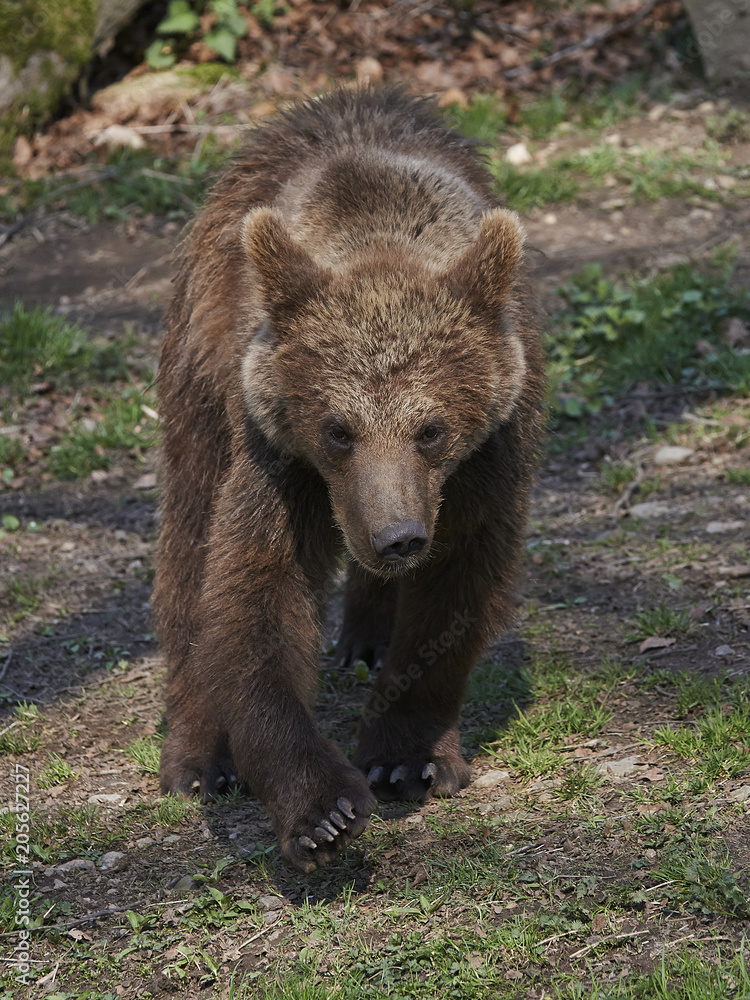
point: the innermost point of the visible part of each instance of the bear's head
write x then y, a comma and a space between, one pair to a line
384, 374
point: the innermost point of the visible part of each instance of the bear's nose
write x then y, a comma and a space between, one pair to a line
398, 541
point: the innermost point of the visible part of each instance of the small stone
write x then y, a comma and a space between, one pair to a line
185, 884
270, 917
672, 454
74, 864
105, 798
451, 96
723, 527
517, 155
368, 70
144, 842
171, 839
146, 482
741, 794
613, 204
619, 768
491, 779
723, 651
111, 861
550, 219
120, 135
652, 508
271, 902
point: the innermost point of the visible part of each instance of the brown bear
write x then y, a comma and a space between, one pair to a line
352, 364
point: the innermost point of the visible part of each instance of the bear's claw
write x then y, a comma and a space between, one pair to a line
329, 833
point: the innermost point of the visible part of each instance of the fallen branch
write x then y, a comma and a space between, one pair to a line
587, 43
606, 940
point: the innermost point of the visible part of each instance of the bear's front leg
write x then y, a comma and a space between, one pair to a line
409, 744
245, 694
369, 610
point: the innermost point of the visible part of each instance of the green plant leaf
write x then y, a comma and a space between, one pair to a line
156, 56
180, 19
222, 41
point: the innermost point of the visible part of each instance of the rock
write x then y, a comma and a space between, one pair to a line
368, 70
491, 779
734, 333
106, 798
618, 768
670, 454
723, 527
120, 135
146, 482
144, 842
550, 219
111, 861
185, 884
150, 96
43, 50
171, 839
723, 651
652, 508
451, 96
271, 902
517, 155
741, 794
85, 864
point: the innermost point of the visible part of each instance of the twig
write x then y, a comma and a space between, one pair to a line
587, 43
7, 661
556, 937
606, 940
623, 501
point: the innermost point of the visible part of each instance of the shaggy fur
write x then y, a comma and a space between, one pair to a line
351, 363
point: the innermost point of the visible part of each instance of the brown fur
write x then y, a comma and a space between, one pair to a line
351, 347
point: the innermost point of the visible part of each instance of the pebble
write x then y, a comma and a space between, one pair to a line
619, 768
271, 902
723, 527
144, 842
491, 779
105, 798
186, 884
672, 453
517, 154
741, 794
724, 651
652, 508
111, 860
68, 866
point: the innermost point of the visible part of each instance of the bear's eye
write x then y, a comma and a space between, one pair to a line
430, 434
338, 434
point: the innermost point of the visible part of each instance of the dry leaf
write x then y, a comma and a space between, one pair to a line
655, 642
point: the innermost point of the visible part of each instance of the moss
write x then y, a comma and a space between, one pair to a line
59, 33
210, 73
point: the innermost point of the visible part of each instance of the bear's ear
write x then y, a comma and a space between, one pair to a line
486, 271
289, 275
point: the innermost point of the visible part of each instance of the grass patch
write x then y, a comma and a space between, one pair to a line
132, 183
522, 190
146, 753
55, 772
660, 620
738, 475
610, 337
718, 744
36, 344
122, 425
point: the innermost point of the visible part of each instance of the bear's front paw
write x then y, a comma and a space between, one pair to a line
418, 779
326, 833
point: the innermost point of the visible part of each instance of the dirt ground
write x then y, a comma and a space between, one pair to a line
87, 655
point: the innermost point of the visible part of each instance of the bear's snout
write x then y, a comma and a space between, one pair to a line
398, 541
